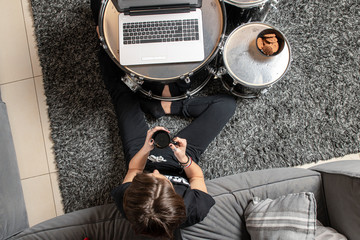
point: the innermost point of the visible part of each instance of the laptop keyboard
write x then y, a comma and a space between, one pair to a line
161, 31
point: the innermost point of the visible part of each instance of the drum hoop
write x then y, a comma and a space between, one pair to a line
246, 84
103, 41
180, 97
235, 93
129, 71
246, 5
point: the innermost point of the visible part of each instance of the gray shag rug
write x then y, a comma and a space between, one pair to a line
311, 114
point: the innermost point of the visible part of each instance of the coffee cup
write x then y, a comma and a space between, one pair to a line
161, 139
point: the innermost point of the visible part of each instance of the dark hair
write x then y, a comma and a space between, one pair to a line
153, 207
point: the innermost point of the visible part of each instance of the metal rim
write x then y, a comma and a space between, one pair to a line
103, 41
176, 98
237, 94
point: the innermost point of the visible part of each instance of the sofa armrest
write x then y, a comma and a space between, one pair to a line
341, 183
100, 222
13, 216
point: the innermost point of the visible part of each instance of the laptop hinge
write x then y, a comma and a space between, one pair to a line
179, 8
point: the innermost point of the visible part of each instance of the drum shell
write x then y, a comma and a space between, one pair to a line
244, 11
240, 90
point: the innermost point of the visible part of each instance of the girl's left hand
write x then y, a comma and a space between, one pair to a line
180, 149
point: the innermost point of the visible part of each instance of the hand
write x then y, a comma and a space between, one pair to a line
98, 31
180, 149
149, 142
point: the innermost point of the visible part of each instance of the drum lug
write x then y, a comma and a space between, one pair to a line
188, 94
222, 43
221, 71
150, 94
102, 43
264, 91
132, 82
217, 73
273, 3
211, 70
186, 78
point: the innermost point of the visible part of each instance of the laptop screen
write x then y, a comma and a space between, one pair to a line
126, 4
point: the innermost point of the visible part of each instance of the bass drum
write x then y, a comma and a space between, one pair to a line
246, 72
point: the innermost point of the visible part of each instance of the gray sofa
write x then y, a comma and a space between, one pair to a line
13, 217
335, 186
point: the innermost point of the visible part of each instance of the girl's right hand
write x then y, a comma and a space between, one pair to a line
149, 141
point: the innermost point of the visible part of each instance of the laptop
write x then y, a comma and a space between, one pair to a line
160, 31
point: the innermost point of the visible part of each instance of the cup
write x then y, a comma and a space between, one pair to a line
161, 139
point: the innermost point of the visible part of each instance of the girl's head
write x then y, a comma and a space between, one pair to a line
152, 206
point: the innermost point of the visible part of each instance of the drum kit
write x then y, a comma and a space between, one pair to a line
231, 55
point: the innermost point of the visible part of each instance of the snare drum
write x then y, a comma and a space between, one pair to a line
246, 72
214, 24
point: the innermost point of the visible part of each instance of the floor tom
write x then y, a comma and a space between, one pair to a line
246, 72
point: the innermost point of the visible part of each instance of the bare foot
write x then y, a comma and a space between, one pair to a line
165, 104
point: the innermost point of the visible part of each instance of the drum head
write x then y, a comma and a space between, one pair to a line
244, 62
246, 3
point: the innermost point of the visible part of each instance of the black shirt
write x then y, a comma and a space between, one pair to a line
197, 202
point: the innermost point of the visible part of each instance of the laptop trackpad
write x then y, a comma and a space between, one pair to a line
145, 59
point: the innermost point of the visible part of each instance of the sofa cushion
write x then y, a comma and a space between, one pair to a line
342, 190
233, 193
288, 217
13, 216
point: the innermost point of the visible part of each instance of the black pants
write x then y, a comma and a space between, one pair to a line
210, 114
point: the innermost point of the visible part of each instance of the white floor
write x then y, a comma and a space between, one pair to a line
22, 90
